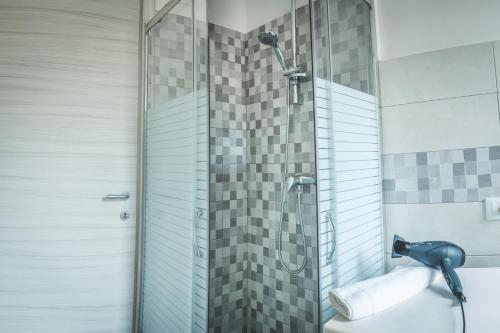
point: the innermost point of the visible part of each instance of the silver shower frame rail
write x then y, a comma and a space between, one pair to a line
143, 60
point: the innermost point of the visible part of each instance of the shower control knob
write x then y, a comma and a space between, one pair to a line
124, 216
297, 180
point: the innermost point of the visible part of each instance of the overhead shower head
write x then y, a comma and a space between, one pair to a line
269, 38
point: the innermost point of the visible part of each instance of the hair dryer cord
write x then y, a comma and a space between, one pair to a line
463, 316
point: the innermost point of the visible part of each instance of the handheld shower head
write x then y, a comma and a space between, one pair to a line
269, 38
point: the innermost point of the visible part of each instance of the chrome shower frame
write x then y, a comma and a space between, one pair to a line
145, 27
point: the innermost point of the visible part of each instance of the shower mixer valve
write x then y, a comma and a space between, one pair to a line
298, 180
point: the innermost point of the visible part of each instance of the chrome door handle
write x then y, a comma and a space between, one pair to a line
121, 196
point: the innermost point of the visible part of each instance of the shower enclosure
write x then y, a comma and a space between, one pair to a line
172, 293
260, 165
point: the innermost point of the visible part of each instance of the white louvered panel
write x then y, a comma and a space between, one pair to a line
359, 222
347, 216
345, 156
347, 98
341, 136
322, 133
323, 174
358, 165
349, 186
200, 281
352, 93
355, 119
362, 192
356, 183
374, 263
322, 123
322, 113
326, 204
175, 280
355, 110
326, 196
343, 146
354, 128
354, 174
324, 142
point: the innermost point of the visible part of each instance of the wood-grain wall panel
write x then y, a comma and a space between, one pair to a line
68, 128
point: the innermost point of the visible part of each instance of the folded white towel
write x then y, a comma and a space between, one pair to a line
368, 297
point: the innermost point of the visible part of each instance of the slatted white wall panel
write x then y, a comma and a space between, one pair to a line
175, 280
349, 175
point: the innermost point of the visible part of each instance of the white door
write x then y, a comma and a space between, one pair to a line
68, 127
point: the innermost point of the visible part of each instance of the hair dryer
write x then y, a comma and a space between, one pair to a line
436, 254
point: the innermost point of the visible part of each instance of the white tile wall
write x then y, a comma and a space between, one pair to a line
445, 124
442, 100
462, 223
459, 71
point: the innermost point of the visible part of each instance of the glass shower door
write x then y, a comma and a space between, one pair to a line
348, 147
174, 282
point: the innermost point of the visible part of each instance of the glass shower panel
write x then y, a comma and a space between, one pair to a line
348, 147
175, 222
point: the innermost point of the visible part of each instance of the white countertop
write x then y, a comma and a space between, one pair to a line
436, 310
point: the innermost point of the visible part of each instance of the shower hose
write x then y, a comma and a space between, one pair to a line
299, 199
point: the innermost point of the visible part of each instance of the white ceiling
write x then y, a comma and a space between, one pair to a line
246, 15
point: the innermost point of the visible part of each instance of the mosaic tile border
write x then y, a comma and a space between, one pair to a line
446, 176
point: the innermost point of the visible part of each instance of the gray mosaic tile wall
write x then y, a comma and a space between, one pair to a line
249, 290
322, 39
170, 64
351, 47
460, 175
228, 181
279, 301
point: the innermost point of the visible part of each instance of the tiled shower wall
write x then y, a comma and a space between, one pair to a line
441, 146
351, 44
341, 28
228, 181
249, 290
279, 301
